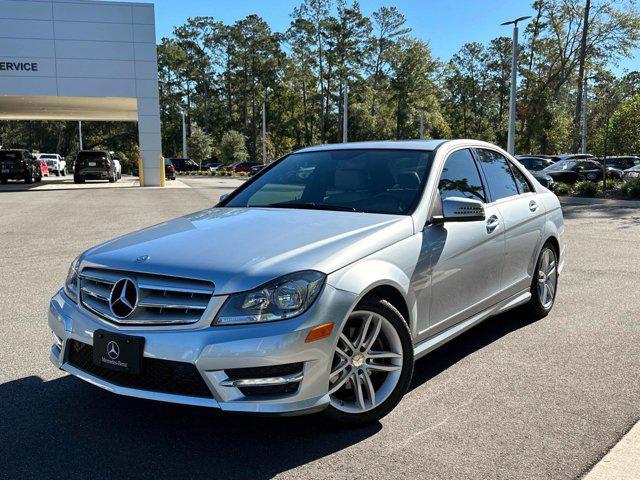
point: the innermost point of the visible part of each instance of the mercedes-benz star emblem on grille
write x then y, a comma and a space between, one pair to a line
124, 298
113, 350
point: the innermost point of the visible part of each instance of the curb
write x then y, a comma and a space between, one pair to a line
608, 202
623, 460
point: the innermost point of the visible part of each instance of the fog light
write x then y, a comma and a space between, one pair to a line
319, 332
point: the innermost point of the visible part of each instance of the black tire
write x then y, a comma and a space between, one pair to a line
535, 308
389, 312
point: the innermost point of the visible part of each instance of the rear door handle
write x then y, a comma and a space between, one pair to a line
492, 223
533, 205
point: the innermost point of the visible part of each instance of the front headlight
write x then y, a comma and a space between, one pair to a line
71, 283
285, 297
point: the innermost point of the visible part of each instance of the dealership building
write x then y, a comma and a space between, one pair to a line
82, 60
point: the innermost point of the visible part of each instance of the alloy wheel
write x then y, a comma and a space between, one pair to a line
367, 363
547, 278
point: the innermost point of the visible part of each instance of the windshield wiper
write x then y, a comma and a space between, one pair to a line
312, 206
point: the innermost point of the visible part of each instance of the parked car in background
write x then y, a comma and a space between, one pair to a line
184, 165
256, 169
42, 164
622, 163
571, 171
570, 156
19, 164
241, 167
379, 255
629, 173
169, 169
534, 163
94, 165
55, 163
118, 168
211, 166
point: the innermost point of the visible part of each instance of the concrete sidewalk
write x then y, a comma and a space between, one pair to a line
623, 460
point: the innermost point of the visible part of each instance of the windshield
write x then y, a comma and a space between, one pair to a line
562, 165
363, 180
10, 155
48, 156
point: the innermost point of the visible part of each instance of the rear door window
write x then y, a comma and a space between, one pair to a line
521, 181
498, 174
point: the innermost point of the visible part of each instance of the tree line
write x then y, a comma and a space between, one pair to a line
220, 75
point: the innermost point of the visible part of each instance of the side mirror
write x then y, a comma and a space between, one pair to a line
224, 197
458, 209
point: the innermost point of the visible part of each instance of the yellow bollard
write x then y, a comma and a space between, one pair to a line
140, 171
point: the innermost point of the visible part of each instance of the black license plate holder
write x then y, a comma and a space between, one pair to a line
122, 353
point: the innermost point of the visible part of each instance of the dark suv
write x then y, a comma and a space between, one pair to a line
184, 164
19, 165
94, 165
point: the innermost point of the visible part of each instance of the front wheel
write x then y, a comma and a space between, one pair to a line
372, 364
544, 284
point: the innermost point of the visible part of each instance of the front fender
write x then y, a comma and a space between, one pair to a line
362, 277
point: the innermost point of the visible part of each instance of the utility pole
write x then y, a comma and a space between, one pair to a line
345, 120
511, 141
80, 133
264, 133
184, 136
421, 127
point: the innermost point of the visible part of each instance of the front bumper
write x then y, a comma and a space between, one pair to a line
214, 350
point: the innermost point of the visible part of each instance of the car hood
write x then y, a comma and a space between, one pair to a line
240, 248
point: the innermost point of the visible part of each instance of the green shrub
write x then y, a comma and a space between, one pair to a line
562, 188
585, 189
631, 188
612, 183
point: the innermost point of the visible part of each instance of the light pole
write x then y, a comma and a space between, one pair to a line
80, 133
264, 133
511, 141
421, 127
184, 136
345, 120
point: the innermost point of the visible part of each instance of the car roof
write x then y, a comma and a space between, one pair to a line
427, 145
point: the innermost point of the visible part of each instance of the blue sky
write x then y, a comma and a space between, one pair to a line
445, 24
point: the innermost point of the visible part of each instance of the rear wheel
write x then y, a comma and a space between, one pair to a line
544, 284
372, 364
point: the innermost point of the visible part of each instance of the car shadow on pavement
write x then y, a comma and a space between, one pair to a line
68, 428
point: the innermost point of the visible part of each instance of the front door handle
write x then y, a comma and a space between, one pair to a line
533, 205
492, 223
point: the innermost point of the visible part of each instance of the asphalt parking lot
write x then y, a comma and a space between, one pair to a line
511, 398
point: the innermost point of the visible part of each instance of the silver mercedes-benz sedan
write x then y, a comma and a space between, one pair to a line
316, 284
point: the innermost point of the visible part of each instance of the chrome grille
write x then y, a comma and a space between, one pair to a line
162, 300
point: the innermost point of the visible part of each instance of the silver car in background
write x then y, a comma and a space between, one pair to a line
316, 284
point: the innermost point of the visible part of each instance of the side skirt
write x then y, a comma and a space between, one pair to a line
430, 344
